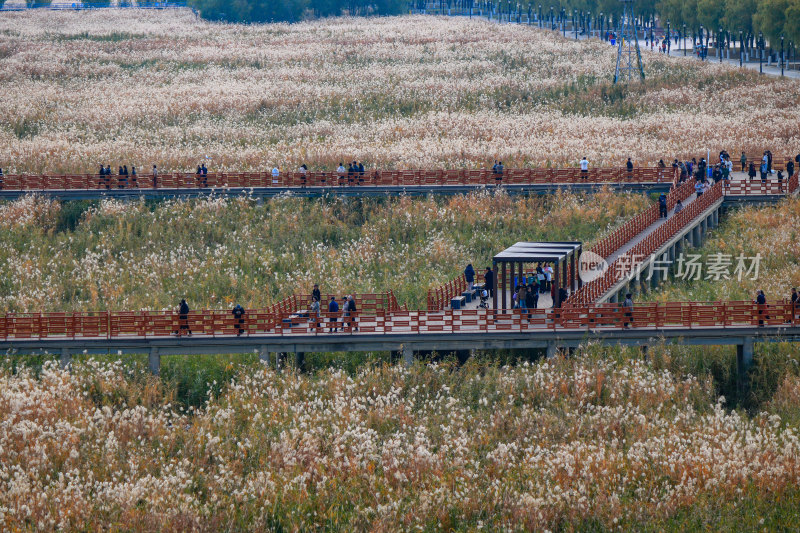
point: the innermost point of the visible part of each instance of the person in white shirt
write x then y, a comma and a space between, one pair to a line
341, 170
548, 275
275, 174
584, 168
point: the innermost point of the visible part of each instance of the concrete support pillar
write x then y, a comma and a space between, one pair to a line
408, 355
154, 362
703, 229
644, 283
300, 361
663, 273
263, 355
66, 358
744, 360
697, 239
551, 350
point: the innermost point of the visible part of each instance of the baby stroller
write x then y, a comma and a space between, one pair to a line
484, 300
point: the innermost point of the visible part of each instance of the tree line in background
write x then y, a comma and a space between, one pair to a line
292, 10
772, 17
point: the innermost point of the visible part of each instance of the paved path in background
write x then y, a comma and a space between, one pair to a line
677, 51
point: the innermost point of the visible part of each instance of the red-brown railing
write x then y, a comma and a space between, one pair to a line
441, 296
398, 178
624, 265
212, 323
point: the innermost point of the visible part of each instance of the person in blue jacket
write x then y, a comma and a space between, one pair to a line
469, 275
333, 308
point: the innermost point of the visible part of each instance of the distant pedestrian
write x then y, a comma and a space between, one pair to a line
238, 316
155, 177
498, 176
795, 304
678, 207
752, 171
584, 168
662, 205
275, 174
315, 294
761, 303
134, 178
183, 320
488, 278
764, 171
469, 276
314, 310
699, 188
333, 308
743, 161
629, 166
532, 298
563, 294
628, 307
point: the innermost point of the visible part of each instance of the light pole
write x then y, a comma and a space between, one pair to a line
563, 21
781, 56
574, 23
684, 39
741, 48
602, 25
719, 44
702, 53
669, 38
551, 17
760, 53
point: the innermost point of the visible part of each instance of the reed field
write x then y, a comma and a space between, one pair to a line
771, 231
605, 439
602, 441
112, 255
142, 88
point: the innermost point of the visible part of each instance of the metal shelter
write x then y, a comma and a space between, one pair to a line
511, 261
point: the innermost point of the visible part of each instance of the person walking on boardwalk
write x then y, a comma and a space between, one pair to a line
488, 278
315, 294
662, 205
789, 169
795, 304
183, 320
155, 177
628, 307
333, 308
751, 172
678, 207
315, 313
699, 188
469, 276
629, 167
238, 315
761, 302
352, 318
275, 174
743, 160
584, 168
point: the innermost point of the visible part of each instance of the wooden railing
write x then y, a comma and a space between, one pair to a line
624, 265
212, 323
439, 297
397, 178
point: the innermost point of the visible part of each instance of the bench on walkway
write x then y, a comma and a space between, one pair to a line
458, 302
